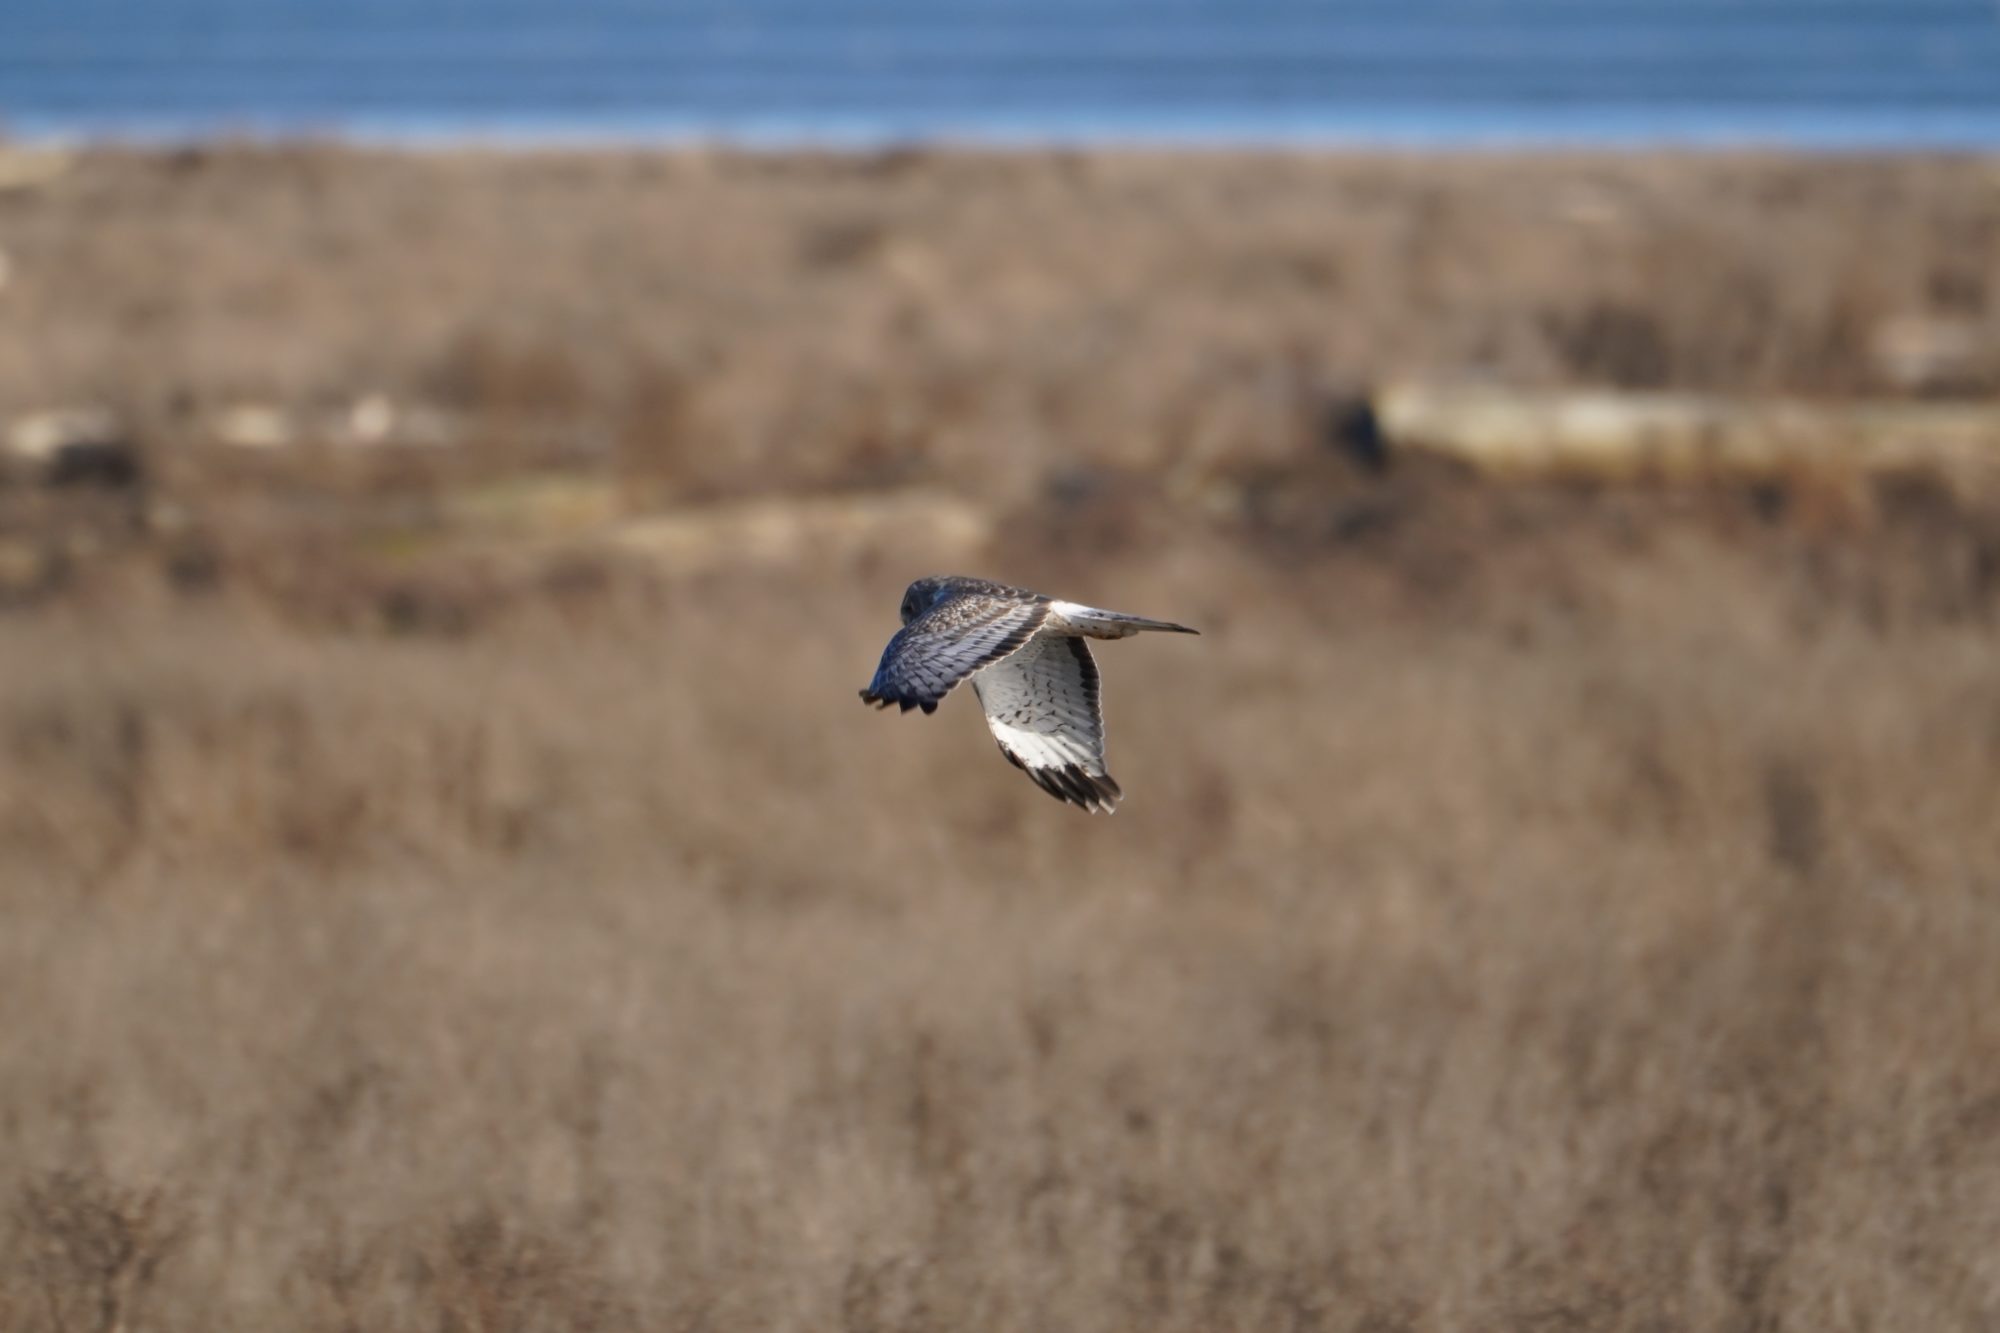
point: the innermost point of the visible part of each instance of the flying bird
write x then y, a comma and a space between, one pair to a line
1026, 658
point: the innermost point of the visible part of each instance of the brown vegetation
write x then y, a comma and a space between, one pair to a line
1536, 906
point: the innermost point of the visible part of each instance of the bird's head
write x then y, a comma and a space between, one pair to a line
922, 595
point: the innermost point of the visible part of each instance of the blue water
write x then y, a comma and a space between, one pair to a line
1824, 72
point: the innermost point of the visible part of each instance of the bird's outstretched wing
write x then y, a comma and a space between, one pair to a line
1042, 706
933, 653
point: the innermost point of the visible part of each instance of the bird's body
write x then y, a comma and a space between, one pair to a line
1026, 658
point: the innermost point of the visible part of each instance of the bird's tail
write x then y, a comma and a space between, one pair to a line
1095, 622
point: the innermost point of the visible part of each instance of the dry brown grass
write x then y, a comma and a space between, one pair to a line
1535, 907
1620, 957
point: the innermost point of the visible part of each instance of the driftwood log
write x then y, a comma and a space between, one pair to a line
1510, 430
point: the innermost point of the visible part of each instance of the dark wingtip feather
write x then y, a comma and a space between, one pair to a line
1098, 793
929, 707
1105, 789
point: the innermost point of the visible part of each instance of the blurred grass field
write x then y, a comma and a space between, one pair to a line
1537, 905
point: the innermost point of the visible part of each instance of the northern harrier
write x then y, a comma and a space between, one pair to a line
1029, 665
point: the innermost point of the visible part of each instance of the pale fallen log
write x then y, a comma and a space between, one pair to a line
1504, 430
534, 517
255, 426
537, 506
794, 530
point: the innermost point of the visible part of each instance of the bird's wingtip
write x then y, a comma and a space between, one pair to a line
1094, 793
869, 696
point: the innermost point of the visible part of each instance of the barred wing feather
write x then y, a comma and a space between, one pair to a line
1042, 706
929, 656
